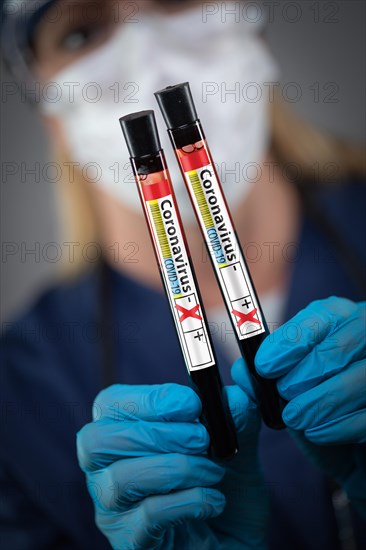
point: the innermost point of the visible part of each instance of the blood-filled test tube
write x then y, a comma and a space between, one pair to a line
181, 288
212, 212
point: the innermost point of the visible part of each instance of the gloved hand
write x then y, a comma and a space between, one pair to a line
150, 478
319, 360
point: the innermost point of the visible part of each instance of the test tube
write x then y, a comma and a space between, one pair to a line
212, 212
179, 281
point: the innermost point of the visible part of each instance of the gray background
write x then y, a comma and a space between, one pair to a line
323, 46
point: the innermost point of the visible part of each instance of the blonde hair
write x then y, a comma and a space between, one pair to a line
317, 156
78, 220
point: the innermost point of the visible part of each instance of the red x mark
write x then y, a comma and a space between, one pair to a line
188, 312
244, 317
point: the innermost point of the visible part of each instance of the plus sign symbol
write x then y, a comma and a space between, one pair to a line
246, 303
199, 335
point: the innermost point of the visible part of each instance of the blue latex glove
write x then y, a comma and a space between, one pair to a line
319, 360
151, 481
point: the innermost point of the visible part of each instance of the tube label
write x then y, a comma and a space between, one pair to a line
177, 275
224, 248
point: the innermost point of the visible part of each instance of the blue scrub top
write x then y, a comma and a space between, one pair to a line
51, 372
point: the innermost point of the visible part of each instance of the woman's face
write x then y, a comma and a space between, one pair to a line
70, 29
124, 51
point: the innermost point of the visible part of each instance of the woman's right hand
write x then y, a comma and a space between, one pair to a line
148, 473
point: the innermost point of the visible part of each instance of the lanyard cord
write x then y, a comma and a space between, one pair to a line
108, 375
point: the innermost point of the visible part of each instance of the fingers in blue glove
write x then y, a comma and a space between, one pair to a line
320, 341
144, 526
350, 428
334, 411
101, 443
138, 421
239, 405
126, 482
242, 377
160, 402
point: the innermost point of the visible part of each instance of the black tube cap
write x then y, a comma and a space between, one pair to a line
176, 105
141, 133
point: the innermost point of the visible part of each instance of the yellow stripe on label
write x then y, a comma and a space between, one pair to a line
200, 198
160, 229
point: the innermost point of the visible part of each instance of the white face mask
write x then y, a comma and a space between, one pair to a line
140, 58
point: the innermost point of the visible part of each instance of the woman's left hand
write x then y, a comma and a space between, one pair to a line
318, 359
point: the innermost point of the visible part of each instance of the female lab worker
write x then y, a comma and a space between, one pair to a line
147, 473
